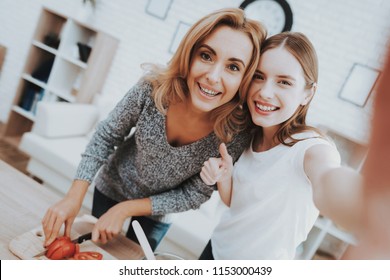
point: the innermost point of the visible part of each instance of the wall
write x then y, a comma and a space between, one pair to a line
343, 32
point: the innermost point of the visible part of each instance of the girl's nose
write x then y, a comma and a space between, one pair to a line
266, 91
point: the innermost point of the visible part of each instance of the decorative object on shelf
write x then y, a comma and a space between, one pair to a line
158, 8
33, 93
87, 11
181, 30
90, 2
52, 40
359, 84
84, 51
276, 15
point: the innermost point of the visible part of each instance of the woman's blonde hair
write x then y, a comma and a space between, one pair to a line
170, 83
303, 50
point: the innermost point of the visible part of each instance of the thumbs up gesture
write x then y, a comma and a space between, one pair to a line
217, 169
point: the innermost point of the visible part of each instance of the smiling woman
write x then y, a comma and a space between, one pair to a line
181, 113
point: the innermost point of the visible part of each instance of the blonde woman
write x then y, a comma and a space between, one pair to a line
181, 113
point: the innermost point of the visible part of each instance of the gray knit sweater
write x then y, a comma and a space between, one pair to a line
145, 164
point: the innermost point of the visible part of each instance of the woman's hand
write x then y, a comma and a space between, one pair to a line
217, 169
110, 224
64, 212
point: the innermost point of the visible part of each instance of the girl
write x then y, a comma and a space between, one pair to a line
181, 113
289, 172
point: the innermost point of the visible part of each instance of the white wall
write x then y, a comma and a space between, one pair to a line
344, 32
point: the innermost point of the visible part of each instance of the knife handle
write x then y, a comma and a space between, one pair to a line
84, 237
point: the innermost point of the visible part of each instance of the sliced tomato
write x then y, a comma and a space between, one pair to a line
61, 248
88, 255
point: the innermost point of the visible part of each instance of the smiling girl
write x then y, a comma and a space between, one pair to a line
181, 113
289, 173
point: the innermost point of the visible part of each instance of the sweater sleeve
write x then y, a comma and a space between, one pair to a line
112, 131
190, 195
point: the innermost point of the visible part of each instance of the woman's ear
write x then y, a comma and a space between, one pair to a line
309, 94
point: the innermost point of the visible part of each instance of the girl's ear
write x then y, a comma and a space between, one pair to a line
309, 94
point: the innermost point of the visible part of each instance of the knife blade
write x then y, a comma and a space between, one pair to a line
78, 240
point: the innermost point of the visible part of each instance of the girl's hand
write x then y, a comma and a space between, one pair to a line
110, 224
217, 169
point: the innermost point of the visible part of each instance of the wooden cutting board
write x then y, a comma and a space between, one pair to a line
29, 244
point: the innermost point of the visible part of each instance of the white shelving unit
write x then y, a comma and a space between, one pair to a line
55, 72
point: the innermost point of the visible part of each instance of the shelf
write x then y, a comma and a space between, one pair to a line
44, 47
328, 226
58, 70
27, 114
75, 61
32, 80
342, 235
63, 94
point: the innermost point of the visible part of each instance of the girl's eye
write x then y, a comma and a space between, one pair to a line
205, 56
286, 83
257, 76
234, 67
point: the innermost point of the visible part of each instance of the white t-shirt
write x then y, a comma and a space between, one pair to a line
272, 208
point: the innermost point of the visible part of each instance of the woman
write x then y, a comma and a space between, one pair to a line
289, 173
181, 113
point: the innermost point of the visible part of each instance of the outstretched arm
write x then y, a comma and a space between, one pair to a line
375, 235
337, 190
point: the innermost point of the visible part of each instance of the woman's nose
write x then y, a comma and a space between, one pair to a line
214, 74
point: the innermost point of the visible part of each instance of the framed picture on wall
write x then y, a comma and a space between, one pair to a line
181, 30
359, 84
158, 8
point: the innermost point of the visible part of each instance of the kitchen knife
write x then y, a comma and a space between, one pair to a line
78, 240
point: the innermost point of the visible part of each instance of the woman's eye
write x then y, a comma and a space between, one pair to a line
205, 56
234, 67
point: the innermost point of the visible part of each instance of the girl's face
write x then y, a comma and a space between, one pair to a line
277, 88
217, 68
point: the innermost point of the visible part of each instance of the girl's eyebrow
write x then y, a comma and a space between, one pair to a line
287, 77
235, 59
257, 71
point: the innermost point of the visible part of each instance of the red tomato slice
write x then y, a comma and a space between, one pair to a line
88, 255
61, 248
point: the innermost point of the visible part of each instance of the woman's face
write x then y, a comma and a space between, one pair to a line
277, 88
217, 68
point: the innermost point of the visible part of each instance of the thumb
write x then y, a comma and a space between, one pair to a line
224, 152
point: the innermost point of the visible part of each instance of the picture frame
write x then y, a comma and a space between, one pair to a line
158, 8
181, 30
359, 84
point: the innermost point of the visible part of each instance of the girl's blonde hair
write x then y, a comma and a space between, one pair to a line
303, 50
170, 83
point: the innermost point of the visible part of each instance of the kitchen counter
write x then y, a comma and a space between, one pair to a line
23, 203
